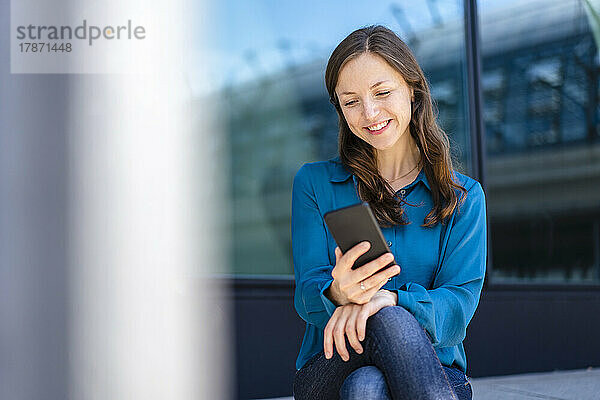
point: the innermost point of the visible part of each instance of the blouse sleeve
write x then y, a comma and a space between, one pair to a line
446, 310
312, 268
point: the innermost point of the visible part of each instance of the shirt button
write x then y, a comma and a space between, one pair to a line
389, 243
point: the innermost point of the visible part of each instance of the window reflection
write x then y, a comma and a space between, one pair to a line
270, 60
540, 80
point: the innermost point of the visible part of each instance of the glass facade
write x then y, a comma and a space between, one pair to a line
540, 109
271, 59
540, 90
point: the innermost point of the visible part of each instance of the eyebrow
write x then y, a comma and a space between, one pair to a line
374, 85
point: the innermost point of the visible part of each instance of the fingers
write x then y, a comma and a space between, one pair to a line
339, 335
351, 331
328, 334
381, 276
372, 307
365, 295
342, 271
332, 333
361, 322
372, 285
348, 258
372, 267
338, 255
341, 325
371, 274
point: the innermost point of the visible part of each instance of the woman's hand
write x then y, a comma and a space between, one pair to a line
346, 286
351, 320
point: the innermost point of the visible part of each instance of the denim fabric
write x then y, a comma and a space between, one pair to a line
365, 383
369, 383
397, 346
443, 266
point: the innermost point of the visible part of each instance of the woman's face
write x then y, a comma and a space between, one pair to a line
375, 100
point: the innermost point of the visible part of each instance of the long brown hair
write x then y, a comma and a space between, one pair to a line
360, 158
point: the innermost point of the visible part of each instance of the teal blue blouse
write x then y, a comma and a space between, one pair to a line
443, 267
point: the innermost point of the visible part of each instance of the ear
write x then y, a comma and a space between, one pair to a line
412, 95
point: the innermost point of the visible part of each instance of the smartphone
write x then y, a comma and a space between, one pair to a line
354, 224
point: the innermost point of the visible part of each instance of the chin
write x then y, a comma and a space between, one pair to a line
380, 142
385, 144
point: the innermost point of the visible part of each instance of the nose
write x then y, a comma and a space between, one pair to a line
370, 109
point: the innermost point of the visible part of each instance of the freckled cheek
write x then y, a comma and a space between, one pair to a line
403, 111
352, 122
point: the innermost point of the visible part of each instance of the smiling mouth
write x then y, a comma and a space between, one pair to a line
378, 128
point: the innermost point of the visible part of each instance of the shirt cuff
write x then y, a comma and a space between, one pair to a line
329, 306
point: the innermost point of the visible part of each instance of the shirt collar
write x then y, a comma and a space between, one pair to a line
341, 174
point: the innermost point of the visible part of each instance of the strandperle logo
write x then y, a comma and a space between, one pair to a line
81, 32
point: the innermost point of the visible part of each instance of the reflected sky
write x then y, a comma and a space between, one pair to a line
250, 39
258, 38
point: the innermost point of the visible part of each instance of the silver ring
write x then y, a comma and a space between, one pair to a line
362, 285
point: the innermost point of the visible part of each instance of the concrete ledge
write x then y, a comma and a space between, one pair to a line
558, 385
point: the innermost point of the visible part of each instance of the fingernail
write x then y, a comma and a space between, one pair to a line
361, 338
359, 351
366, 244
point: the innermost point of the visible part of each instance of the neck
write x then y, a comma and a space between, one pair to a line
398, 159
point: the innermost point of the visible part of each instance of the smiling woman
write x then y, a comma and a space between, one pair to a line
403, 339
379, 113
372, 78
378, 101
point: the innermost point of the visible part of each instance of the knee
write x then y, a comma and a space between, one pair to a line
390, 316
364, 383
395, 322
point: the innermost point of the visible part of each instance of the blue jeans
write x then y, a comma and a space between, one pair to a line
398, 362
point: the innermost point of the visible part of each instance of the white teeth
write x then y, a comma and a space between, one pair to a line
378, 126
